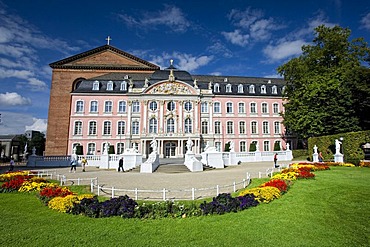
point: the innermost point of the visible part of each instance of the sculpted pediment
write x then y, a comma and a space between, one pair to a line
171, 88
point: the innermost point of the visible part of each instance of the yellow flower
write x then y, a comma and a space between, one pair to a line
263, 194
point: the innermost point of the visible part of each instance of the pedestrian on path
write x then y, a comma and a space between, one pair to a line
275, 160
11, 164
73, 165
120, 164
84, 163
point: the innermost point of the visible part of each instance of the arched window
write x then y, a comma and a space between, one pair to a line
188, 126
242, 146
230, 127
217, 107
241, 107
264, 108
135, 127
242, 128
94, 106
170, 125
121, 126
108, 106
153, 125
276, 128
217, 127
254, 127
253, 107
216, 88
263, 89
153, 105
229, 107
107, 128
77, 128
95, 85
204, 127
171, 106
135, 106
265, 127
110, 86
204, 107
274, 90
92, 128
251, 89
123, 86
91, 149
266, 146
120, 148
275, 107
122, 106
188, 106
79, 106
240, 88
228, 88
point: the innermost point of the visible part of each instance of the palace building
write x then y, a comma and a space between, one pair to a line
106, 95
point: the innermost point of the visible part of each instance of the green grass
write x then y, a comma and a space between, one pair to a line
332, 210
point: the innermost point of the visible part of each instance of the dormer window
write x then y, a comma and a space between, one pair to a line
228, 88
240, 88
123, 86
216, 88
263, 89
274, 90
110, 86
95, 85
225, 79
126, 77
251, 89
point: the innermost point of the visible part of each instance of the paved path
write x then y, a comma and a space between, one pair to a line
172, 176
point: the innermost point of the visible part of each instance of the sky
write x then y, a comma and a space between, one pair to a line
235, 37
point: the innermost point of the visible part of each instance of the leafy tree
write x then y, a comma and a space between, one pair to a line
37, 141
321, 87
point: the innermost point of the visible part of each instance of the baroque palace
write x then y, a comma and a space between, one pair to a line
106, 95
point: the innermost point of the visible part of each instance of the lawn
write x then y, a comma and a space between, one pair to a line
331, 210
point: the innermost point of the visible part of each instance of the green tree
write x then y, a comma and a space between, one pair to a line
319, 96
37, 141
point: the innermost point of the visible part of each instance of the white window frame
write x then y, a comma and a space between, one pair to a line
108, 106
93, 127
229, 107
94, 106
122, 106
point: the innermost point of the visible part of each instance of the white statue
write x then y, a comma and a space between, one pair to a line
25, 148
105, 148
287, 146
33, 151
153, 145
232, 147
189, 144
315, 149
337, 146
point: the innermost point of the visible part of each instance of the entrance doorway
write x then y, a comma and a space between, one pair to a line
170, 149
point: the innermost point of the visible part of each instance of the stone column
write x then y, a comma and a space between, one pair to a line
145, 118
161, 120
195, 116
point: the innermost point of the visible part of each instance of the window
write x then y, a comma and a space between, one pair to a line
135, 106
204, 127
135, 127
94, 106
188, 106
276, 127
122, 106
217, 127
78, 128
240, 88
265, 127
263, 89
110, 86
242, 146
228, 88
95, 85
274, 90
121, 126
229, 107
251, 89
204, 107
170, 125
242, 128
91, 148
171, 106
79, 106
216, 88
230, 127
153, 105
120, 148
241, 107
217, 107
107, 127
266, 146
92, 128
123, 86
276, 108
254, 127
264, 108
253, 108
153, 125
188, 126
108, 106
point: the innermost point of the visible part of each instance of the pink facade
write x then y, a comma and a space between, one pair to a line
172, 110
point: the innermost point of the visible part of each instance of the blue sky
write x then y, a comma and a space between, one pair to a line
234, 37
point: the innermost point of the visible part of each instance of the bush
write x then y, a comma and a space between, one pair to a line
300, 153
87, 206
122, 206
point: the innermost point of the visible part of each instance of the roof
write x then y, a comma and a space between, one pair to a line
65, 63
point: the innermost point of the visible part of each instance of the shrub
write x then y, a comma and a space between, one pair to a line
225, 203
166, 209
122, 206
87, 206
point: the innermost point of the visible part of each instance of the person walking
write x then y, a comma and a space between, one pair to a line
275, 160
73, 165
11, 164
321, 159
120, 164
84, 163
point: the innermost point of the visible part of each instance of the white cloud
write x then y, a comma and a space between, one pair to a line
236, 37
365, 22
218, 48
184, 61
283, 50
18, 123
13, 99
38, 125
171, 16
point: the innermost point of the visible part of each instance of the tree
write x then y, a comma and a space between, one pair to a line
37, 141
320, 90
